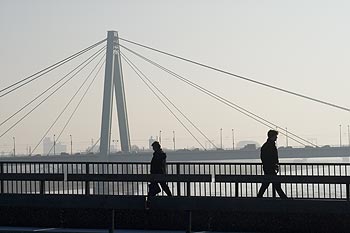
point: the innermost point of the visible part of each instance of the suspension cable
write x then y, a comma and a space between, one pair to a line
48, 69
67, 105
160, 99
26, 105
239, 76
154, 86
221, 99
17, 122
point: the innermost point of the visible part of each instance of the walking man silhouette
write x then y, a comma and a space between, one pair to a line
158, 166
269, 158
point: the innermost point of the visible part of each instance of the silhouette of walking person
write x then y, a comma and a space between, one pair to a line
269, 158
158, 166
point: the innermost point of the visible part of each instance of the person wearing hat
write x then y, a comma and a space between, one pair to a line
158, 166
269, 158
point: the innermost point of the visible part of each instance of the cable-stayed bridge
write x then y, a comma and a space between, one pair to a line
67, 189
109, 54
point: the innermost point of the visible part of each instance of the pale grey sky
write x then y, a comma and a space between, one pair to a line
297, 45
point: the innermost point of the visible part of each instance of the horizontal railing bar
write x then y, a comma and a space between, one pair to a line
139, 177
262, 205
176, 178
169, 163
31, 177
283, 179
72, 201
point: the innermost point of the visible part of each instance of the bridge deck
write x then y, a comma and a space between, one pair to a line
215, 194
178, 203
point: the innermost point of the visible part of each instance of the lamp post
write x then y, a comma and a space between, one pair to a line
71, 145
340, 136
54, 144
160, 137
14, 146
174, 138
233, 139
221, 138
115, 146
349, 135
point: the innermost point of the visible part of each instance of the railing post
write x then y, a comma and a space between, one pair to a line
178, 185
42, 187
236, 189
111, 229
188, 189
189, 221
87, 183
348, 192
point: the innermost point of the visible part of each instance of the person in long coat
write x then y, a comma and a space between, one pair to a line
269, 158
158, 166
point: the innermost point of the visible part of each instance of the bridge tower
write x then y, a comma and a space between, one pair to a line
114, 83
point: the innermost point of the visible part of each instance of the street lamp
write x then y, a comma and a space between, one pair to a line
174, 138
349, 135
233, 139
54, 144
160, 136
14, 146
115, 141
71, 145
221, 138
340, 135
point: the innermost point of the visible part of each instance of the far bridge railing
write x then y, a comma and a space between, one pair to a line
298, 180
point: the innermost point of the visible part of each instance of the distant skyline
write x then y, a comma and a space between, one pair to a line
301, 46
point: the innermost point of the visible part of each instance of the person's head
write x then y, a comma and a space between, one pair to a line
155, 145
272, 135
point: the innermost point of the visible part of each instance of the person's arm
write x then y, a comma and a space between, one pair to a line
277, 165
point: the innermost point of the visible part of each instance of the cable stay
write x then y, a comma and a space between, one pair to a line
47, 69
239, 76
225, 101
89, 60
76, 108
53, 85
162, 101
154, 86
93, 146
70, 101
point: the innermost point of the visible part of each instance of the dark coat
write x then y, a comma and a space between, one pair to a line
158, 162
269, 157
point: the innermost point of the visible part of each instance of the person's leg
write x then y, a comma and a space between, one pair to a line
166, 189
262, 189
153, 189
279, 190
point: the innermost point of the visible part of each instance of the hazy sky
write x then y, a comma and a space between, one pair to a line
302, 46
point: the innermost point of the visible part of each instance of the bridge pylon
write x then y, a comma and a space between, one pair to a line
114, 83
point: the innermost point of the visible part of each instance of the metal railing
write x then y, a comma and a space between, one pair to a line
29, 184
